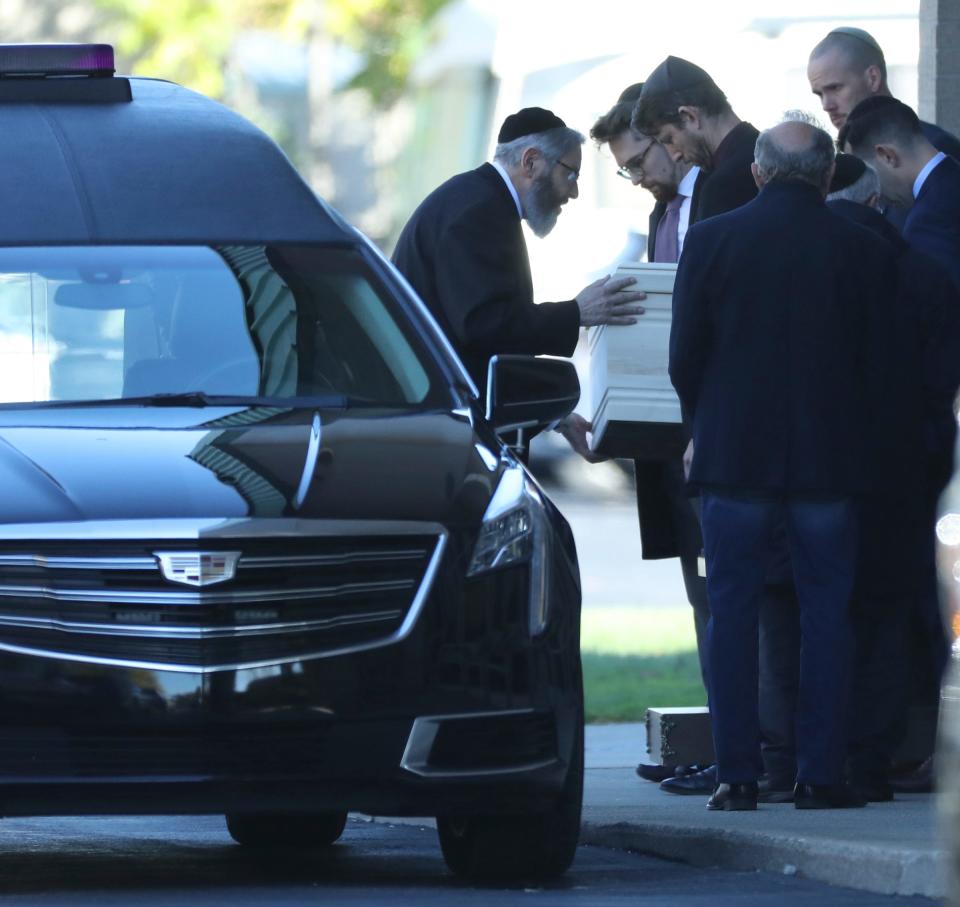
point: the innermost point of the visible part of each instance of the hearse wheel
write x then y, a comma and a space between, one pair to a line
286, 829
528, 847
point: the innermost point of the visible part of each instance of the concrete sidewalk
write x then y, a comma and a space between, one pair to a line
888, 848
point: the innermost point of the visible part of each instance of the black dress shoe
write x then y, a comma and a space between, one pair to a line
734, 797
702, 782
770, 790
872, 789
827, 796
656, 773
919, 781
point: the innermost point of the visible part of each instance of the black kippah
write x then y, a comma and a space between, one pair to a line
527, 122
675, 74
849, 169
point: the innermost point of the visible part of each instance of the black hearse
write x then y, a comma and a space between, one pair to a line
262, 551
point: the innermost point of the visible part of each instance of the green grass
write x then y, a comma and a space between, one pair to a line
638, 657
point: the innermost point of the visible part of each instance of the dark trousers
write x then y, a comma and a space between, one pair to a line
822, 539
686, 518
901, 647
779, 681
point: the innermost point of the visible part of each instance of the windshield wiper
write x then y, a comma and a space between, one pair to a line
190, 398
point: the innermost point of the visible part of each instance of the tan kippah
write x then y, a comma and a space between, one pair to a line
859, 34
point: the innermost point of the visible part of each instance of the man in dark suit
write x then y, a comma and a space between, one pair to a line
682, 107
646, 163
897, 552
848, 67
777, 351
886, 134
464, 253
668, 524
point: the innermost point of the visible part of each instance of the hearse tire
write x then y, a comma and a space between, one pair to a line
533, 848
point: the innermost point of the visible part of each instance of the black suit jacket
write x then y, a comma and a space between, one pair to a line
464, 252
933, 223
779, 339
729, 182
661, 535
660, 207
924, 374
727, 186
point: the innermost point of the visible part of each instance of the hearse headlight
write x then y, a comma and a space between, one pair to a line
514, 531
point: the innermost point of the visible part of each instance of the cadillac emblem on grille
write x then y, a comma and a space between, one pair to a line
198, 568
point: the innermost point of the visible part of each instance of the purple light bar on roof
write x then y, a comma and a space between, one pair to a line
56, 60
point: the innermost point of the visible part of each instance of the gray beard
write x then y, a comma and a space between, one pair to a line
541, 209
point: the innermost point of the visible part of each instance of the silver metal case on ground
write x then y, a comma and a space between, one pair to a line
679, 736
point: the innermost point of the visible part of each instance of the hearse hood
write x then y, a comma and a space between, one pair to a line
136, 463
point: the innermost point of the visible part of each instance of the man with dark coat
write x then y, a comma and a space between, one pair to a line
848, 67
777, 351
901, 646
668, 524
897, 552
682, 107
887, 135
464, 252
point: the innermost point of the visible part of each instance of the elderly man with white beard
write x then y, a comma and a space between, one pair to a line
464, 252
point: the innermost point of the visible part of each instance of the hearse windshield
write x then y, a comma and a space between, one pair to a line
195, 323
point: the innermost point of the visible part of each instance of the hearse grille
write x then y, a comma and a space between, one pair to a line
289, 598
153, 750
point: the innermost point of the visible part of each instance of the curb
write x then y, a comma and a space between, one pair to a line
867, 867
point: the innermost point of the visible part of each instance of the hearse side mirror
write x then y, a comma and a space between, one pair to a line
527, 394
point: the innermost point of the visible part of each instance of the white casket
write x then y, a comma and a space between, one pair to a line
635, 409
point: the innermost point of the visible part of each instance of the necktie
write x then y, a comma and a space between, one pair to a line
667, 248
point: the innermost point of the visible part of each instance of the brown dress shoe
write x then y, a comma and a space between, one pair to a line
734, 796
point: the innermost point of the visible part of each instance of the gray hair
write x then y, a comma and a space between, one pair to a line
810, 164
861, 191
802, 116
553, 144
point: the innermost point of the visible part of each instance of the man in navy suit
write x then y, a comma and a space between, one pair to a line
464, 253
897, 552
848, 67
887, 135
777, 351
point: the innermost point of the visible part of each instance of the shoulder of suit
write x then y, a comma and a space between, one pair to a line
941, 191
942, 140
474, 193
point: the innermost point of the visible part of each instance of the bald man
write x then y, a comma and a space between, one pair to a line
848, 67
777, 347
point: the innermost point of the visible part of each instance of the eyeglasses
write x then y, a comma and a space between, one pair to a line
633, 169
572, 175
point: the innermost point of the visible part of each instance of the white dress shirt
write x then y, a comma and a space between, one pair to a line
510, 186
686, 190
927, 170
